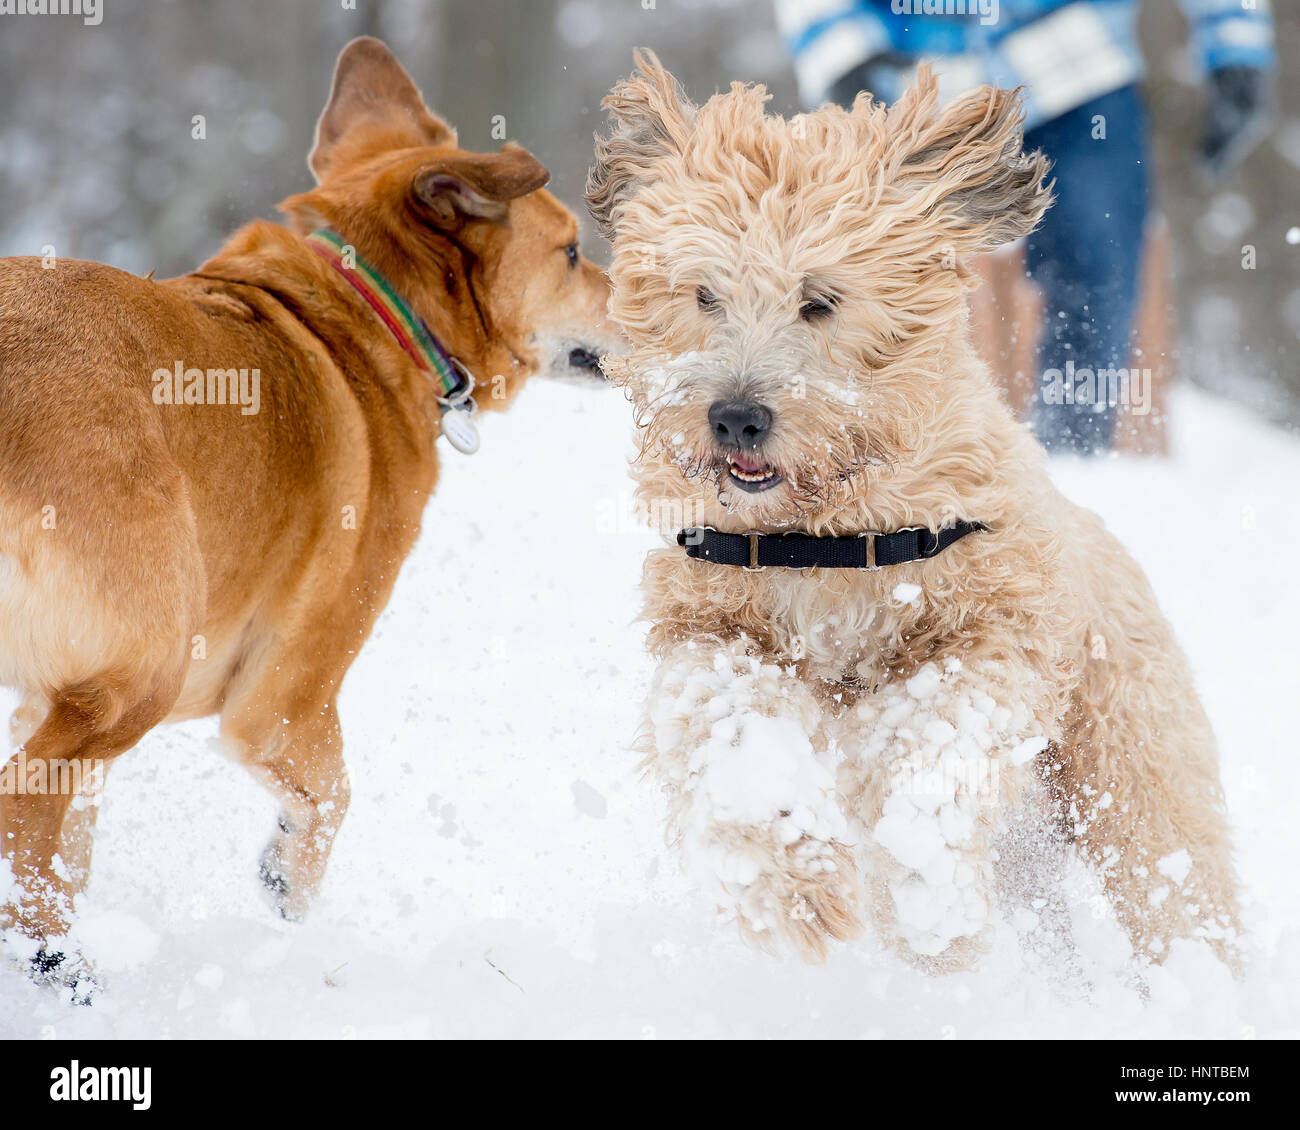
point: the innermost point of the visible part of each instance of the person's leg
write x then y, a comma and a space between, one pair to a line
1086, 258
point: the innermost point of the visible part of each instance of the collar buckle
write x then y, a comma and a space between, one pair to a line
459, 397
753, 566
869, 553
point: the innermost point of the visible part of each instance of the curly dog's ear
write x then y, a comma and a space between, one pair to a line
652, 118
966, 163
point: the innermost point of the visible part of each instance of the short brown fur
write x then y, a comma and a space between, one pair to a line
171, 561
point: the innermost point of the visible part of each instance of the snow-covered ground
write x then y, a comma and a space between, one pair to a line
503, 871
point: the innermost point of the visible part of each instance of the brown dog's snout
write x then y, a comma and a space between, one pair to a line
581, 358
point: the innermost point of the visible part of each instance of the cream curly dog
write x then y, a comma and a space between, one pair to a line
846, 727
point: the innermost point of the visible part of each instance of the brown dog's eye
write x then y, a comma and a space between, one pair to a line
571, 252
705, 300
817, 308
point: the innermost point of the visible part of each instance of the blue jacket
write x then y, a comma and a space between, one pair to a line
1065, 52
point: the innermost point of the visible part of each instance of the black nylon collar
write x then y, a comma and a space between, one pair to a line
803, 551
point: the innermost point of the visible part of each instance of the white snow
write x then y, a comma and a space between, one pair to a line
755, 767
1027, 750
945, 781
503, 869
1175, 866
925, 682
912, 840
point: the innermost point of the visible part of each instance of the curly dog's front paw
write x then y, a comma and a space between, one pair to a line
800, 894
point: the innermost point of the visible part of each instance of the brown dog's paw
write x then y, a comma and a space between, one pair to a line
56, 966
274, 874
65, 971
268, 870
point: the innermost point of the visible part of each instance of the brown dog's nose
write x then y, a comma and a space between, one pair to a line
585, 359
739, 423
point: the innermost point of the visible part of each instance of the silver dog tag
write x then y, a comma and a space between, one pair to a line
461, 431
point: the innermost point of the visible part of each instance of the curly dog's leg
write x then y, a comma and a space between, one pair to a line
739, 747
939, 757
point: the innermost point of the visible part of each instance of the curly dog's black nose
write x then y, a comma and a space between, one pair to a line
739, 423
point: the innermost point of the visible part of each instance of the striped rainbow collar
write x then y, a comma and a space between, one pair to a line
453, 382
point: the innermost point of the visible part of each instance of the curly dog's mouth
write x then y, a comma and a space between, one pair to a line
752, 474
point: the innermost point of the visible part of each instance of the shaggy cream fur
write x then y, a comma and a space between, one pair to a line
818, 266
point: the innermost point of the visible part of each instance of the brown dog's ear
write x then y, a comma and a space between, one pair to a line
967, 163
371, 87
652, 117
477, 185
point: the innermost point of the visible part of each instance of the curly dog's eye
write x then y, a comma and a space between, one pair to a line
817, 308
705, 299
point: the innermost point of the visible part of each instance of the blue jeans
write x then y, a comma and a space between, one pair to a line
1086, 258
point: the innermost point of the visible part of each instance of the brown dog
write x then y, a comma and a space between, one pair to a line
165, 556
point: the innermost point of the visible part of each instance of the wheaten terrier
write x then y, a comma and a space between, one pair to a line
884, 634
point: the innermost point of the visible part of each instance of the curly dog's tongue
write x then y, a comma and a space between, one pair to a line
748, 465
